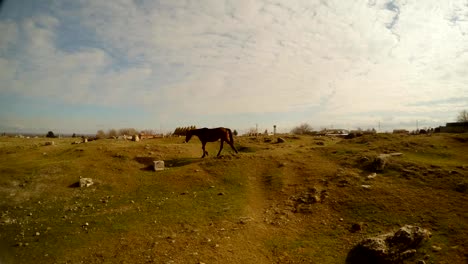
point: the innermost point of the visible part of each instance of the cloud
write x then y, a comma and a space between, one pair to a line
331, 59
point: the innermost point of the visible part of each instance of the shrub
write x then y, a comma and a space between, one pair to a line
50, 134
302, 129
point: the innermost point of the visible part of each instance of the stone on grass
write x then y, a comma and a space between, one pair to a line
381, 160
50, 143
86, 182
280, 140
135, 138
158, 165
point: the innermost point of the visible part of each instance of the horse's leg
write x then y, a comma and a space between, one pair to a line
232, 146
204, 151
220, 147
230, 140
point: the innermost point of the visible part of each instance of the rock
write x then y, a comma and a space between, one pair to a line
366, 186
372, 175
389, 248
436, 248
356, 227
421, 262
50, 143
86, 182
280, 140
158, 165
380, 162
135, 138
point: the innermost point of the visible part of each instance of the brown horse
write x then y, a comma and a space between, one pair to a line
211, 135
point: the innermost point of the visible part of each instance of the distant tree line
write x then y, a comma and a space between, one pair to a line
182, 131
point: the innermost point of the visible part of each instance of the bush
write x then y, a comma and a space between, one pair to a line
302, 129
50, 134
100, 134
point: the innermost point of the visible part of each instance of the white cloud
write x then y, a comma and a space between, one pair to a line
346, 58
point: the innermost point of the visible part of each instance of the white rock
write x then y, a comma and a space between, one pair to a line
158, 165
86, 182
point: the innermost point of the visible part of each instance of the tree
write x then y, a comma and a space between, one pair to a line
462, 116
112, 133
50, 134
128, 131
234, 132
100, 134
302, 129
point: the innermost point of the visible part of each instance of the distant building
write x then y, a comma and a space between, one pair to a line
457, 127
334, 132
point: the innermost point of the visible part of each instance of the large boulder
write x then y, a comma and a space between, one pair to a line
389, 248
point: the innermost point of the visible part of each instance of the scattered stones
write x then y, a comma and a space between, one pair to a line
389, 248
158, 165
304, 201
86, 182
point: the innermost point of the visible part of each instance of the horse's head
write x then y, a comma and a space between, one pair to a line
188, 136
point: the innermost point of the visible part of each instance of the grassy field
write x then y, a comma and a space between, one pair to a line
292, 202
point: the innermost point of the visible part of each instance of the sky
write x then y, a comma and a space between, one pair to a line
78, 66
